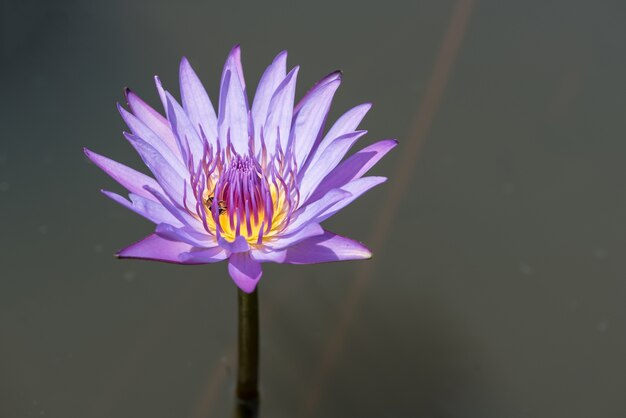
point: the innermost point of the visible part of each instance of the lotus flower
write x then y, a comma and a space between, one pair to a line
248, 184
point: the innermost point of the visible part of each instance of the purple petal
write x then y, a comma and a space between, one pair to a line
239, 245
310, 212
152, 119
335, 75
186, 134
322, 164
356, 188
196, 101
245, 271
354, 167
169, 179
280, 112
347, 123
307, 231
156, 248
185, 234
233, 108
234, 63
184, 217
271, 79
139, 129
309, 119
205, 255
149, 209
132, 180
161, 92
266, 255
325, 248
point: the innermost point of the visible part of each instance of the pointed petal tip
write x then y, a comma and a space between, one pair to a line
120, 109
282, 54
185, 65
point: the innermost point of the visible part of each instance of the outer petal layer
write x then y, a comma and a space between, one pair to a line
156, 248
131, 179
326, 248
245, 271
354, 167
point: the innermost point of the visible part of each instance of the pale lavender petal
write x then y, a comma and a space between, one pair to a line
356, 188
152, 119
132, 180
185, 234
169, 179
271, 79
335, 75
309, 119
326, 248
138, 128
266, 255
176, 211
284, 241
161, 90
196, 102
188, 137
310, 212
205, 255
147, 208
347, 123
354, 167
239, 245
233, 108
245, 271
280, 112
234, 63
156, 248
323, 163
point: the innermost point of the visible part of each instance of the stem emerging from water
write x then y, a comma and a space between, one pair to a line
248, 373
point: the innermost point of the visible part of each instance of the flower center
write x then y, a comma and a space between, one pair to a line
244, 202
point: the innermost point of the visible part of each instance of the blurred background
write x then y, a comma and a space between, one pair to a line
498, 283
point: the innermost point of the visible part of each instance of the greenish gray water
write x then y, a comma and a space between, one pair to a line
497, 288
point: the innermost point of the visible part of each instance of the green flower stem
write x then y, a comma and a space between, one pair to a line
248, 373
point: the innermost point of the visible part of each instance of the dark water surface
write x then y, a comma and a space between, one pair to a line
498, 284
